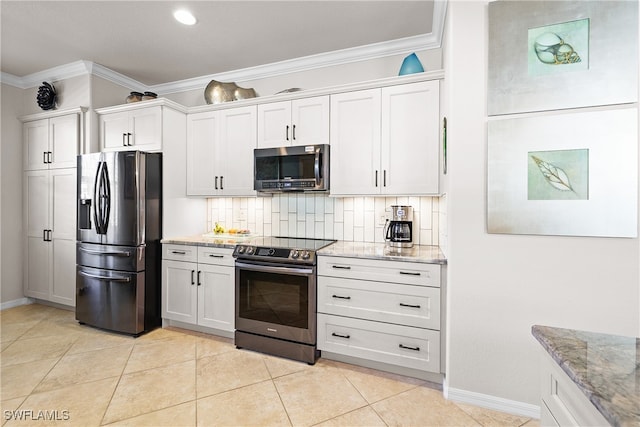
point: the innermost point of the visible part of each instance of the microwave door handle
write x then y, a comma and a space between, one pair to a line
316, 167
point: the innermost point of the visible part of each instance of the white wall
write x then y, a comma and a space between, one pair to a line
501, 285
323, 77
11, 196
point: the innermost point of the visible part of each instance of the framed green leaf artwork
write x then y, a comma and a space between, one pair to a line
566, 173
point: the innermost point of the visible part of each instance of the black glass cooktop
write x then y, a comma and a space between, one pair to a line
291, 243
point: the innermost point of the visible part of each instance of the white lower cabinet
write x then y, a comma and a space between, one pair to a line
198, 286
563, 404
382, 311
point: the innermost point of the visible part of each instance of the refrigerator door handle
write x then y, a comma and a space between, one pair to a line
102, 195
105, 278
103, 253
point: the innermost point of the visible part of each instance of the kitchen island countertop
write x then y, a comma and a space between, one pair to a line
606, 368
418, 253
228, 241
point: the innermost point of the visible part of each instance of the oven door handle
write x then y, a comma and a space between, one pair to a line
273, 269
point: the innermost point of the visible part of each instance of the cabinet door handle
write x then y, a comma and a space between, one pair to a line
124, 141
333, 334
339, 297
44, 157
216, 185
341, 267
409, 348
293, 132
44, 235
376, 177
287, 133
193, 282
384, 178
409, 305
221, 182
129, 139
49, 155
50, 235
216, 256
199, 283
410, 273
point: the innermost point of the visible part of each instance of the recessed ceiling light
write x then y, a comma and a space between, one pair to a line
184, 17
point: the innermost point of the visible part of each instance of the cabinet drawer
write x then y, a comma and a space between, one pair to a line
180, 252
417, 306
217, 256
397, 345
409, 273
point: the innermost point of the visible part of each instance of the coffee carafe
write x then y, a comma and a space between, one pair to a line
399, 231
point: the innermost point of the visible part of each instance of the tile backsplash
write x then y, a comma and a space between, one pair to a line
358, 219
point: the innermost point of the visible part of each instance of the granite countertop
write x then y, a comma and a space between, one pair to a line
223, 240
418, 253
606, 368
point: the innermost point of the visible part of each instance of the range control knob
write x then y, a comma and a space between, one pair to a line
241, 250
295, 254
306, 255
272, 251
250, 250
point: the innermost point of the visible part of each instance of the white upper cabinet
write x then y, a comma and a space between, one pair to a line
138, 129
51, 143
140, 125
386, 141
220, 148
297, 122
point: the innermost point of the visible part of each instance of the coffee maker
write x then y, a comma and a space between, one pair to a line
398, 233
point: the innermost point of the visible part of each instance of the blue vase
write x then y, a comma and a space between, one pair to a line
410, 65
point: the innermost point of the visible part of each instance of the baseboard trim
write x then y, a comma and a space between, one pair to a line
15, 303
491, 402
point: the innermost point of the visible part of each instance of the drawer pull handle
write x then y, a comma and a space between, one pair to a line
216, 256
341, 267
410, 273
179, 252
339, 297
409, 348
333, 334
409, 305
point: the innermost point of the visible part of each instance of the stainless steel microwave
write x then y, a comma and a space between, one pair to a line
297, 168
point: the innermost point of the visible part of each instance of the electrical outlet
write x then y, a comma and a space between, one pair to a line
382, 219
242, 215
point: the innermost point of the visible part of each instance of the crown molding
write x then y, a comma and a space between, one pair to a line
405, 45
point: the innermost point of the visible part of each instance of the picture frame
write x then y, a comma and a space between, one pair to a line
606, 205
603, 35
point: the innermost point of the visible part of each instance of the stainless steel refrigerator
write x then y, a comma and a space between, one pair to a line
118, 241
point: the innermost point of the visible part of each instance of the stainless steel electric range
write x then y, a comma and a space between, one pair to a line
276, 296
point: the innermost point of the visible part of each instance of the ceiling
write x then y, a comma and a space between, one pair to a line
141, 39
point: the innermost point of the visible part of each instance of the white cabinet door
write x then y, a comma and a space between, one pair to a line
237, 140
63, 271
179, 293
146, 127
36, 249
35, 144
274, 124
64, 141
310, 121
410, 138
216, 296
355, 143
202, 151
114, 129
62, 190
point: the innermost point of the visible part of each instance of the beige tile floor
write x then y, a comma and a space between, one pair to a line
52, 367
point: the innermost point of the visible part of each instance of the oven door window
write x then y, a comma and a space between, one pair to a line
274, 298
